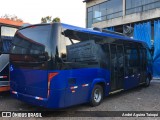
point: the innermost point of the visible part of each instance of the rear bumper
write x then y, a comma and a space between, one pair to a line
29, 99
4, 88
55, 100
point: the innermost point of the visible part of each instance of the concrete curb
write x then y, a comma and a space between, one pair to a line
156, 80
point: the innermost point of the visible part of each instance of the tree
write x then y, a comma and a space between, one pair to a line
56, 20
11, 17
48, 19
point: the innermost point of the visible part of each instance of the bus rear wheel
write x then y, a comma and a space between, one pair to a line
97, 95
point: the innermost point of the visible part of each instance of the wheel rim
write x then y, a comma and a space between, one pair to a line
97, 95
147, 81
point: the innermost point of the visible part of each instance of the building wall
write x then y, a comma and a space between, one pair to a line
92, 3
136, 17
140, 20
154, 13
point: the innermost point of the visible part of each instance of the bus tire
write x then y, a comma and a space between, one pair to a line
147, 82
97, 95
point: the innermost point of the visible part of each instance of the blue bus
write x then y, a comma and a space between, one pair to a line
58, 65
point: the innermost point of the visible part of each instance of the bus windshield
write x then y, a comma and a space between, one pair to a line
7, 34
8, 31
32, 40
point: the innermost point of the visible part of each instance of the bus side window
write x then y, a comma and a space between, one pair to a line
103, 53
105, 56
120, 58
131, 61
149, 57
62, 43
69, 37
7, 34
143, 59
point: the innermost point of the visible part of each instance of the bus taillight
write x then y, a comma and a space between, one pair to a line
50, 76
14, 92
38, 98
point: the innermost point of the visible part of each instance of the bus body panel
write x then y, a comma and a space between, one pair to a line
67, 88
131, 82
29, 99
78, 85
31, 82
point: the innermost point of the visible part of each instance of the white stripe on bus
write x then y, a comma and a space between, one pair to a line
3, 76
74, 87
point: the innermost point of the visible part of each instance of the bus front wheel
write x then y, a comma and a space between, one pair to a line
97, 95
147, 82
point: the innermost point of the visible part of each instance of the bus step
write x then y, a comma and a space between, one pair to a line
116, 91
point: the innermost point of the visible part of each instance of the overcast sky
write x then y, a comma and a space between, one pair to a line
31, 11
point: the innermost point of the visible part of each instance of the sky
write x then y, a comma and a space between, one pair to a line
31, 11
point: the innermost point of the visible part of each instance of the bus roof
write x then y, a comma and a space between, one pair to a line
100, 33
91, 31
10, 22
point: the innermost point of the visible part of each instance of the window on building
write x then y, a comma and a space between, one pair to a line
103, 11
114, 9
135, 6
90, 17
96, 13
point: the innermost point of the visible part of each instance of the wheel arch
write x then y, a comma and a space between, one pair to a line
98, 81
149, 75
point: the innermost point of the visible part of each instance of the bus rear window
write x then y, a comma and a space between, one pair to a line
32, 40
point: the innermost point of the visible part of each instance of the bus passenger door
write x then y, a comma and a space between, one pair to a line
117, 67
131, 68
143, 62
120, 67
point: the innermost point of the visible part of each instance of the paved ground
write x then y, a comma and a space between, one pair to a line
138, 99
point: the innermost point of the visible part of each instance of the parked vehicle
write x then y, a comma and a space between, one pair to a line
7, 31
59, 65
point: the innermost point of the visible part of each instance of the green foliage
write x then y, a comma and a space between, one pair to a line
48, 19
56, 20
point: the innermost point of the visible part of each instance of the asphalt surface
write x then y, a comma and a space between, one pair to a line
137, 99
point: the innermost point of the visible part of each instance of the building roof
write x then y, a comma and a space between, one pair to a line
10, 22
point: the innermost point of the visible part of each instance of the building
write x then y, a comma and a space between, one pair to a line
116, 13
121, 14
139, 19
8, 27
10, 22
